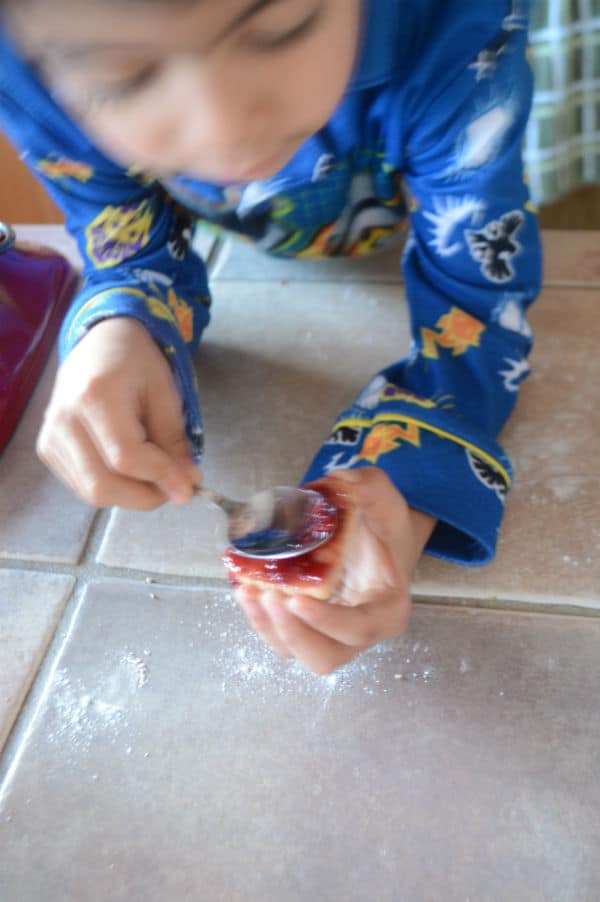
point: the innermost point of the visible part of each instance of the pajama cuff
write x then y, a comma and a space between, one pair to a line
461, 481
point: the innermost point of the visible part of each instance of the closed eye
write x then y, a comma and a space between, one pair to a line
122, 89
293, 36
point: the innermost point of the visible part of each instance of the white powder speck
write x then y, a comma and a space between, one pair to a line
566, 488
139, 669
108, 711
464, 665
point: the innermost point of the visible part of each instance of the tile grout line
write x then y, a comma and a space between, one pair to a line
508, 605
214, 255
40, 686
572, 283
155, 580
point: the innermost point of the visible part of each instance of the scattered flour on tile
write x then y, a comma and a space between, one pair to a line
82, 713
80, 716
567, 488
245, 665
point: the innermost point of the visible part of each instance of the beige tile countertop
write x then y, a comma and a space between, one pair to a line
152, 749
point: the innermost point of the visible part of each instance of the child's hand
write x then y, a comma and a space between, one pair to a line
380, 563
114, 430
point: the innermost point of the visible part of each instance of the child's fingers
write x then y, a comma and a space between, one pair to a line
380, 615
120, 438
75, 459
258, 618
319, 653
386, 520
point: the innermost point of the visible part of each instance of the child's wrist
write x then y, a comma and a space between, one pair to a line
422, 527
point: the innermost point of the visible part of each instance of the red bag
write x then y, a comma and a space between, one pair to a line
36, 287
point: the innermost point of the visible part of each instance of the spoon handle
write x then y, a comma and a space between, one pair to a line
226, 504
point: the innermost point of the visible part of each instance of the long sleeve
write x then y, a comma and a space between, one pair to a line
134, 241
472, 266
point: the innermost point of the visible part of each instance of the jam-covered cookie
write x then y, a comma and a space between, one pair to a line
316, 573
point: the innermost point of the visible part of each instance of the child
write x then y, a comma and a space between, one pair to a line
312, 126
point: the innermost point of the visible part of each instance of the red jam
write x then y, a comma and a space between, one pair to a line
308, 569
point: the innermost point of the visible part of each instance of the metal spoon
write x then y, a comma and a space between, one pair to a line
276, 523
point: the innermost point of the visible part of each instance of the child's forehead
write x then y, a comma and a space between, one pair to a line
142, 23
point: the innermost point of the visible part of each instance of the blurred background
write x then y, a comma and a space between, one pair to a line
562, 148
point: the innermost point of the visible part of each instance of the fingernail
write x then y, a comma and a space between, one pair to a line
180, 496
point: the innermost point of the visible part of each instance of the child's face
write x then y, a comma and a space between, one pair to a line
226, 90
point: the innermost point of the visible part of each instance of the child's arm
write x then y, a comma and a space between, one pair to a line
472, 267
111, 430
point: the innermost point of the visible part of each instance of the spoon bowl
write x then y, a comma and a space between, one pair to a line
279, 522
